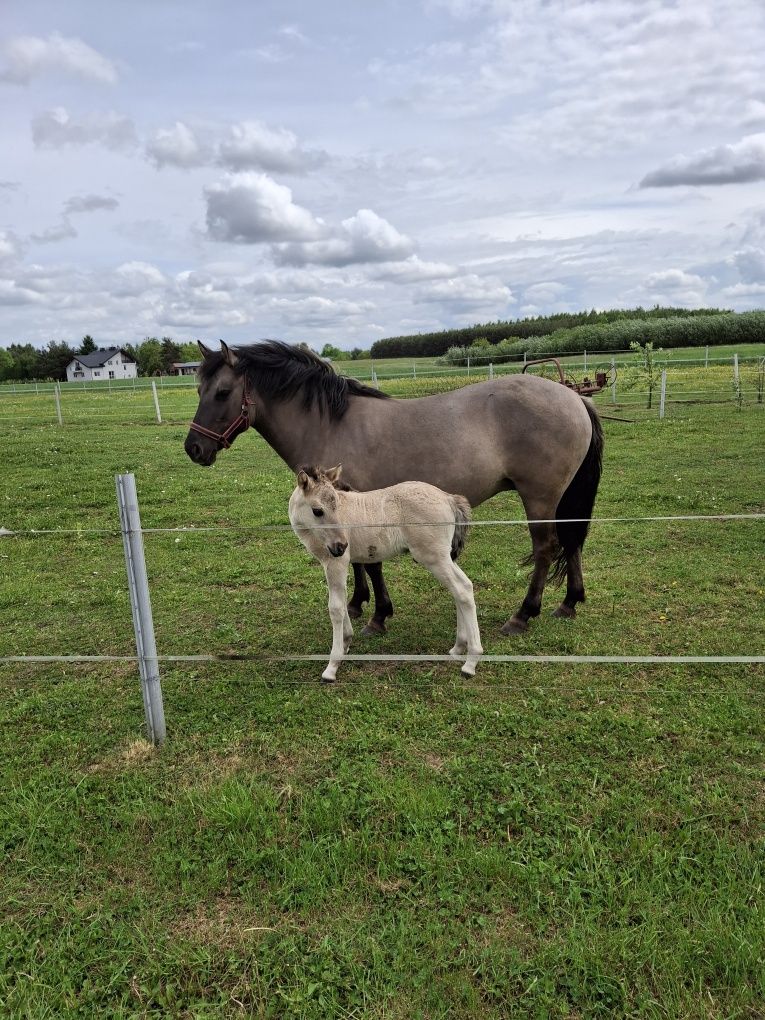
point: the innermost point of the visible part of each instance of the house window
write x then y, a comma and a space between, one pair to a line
111, 375
96, 373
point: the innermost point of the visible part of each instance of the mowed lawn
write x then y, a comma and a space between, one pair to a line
544, 841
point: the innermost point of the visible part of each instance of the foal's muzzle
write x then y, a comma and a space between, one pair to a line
337, 549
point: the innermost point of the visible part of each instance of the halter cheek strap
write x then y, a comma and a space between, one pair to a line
243, 418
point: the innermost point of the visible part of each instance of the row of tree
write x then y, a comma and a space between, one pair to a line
429, 345
25, 363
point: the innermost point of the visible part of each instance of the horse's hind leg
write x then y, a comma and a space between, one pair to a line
383, 604
574, 585
456, 581
544, 548
360, 592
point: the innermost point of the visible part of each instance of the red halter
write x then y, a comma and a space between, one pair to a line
242, 419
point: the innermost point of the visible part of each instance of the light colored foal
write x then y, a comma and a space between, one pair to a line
339, 527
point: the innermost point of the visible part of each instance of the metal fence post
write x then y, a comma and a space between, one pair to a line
585, 363
140, 605
156, 401
663, 396
468, 361
57, 398
491, 369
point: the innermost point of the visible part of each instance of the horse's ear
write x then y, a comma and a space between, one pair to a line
303, 480
228, 355
333, 474
204, 351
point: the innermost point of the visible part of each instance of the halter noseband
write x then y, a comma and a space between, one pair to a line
243, 418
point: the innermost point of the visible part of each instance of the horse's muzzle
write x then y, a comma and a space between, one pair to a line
198, 454
337, 549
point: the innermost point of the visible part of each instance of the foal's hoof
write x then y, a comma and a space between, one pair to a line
353, 611
564, 612
514, 626
374, 629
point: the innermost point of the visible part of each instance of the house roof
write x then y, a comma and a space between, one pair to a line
98, 358
186, 364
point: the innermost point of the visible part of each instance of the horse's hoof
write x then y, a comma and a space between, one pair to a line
468, 672
374, 629
564, 612
353, 611
514, 626
327, 677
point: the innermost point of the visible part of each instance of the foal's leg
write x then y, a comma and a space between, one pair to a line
574, 585
383, 604
544, 547
461, 588
360, 592
336, 572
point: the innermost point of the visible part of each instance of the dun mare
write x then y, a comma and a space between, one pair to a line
513, 432
338, 527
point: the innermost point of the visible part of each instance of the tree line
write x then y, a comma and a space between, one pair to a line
435, 344
620, 335
26, 363
154, 356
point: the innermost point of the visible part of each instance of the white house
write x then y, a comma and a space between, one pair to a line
102, 365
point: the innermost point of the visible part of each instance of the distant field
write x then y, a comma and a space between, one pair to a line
556, 842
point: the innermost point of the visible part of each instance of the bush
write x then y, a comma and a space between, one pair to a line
675, 331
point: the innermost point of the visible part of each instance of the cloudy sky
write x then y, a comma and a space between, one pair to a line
345, 171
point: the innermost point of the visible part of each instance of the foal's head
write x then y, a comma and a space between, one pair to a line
315, 503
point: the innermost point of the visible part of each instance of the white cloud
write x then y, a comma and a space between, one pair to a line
739, 163
132, 279
414, 270
55, 129
89, 203
673, 279
11, 294
252, 145
28, 56
62, 231
469, 291
9, 245
319, 310
178, 146
251, 208
365, 237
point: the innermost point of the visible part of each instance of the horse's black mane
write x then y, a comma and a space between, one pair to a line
280, 371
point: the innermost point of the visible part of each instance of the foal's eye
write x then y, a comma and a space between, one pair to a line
223, 394
318, 513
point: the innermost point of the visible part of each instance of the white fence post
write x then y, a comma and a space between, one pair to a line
663, 397
613, 380
140, 605
491, 369
156, 401
706, 357
414, 371
585, 363
468, 361
57, 397
735, 370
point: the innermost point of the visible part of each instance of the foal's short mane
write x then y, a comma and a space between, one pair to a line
280, 371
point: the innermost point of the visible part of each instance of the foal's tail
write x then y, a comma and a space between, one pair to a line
579, 499
461, 509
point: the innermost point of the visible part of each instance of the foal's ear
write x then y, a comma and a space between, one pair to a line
303, 480
333, 474
204, 351
228, 355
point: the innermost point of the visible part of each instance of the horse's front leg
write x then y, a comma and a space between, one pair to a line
336, 572
383, 604
360, 592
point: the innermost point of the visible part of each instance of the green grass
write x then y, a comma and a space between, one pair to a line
542, 842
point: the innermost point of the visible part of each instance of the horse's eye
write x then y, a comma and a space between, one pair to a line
318, 513
223, 394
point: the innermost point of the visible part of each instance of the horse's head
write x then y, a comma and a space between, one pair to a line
315, 502
224, 406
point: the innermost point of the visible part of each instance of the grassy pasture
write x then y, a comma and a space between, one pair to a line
572, 842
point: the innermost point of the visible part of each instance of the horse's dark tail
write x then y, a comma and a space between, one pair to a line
461, 509
578, 500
